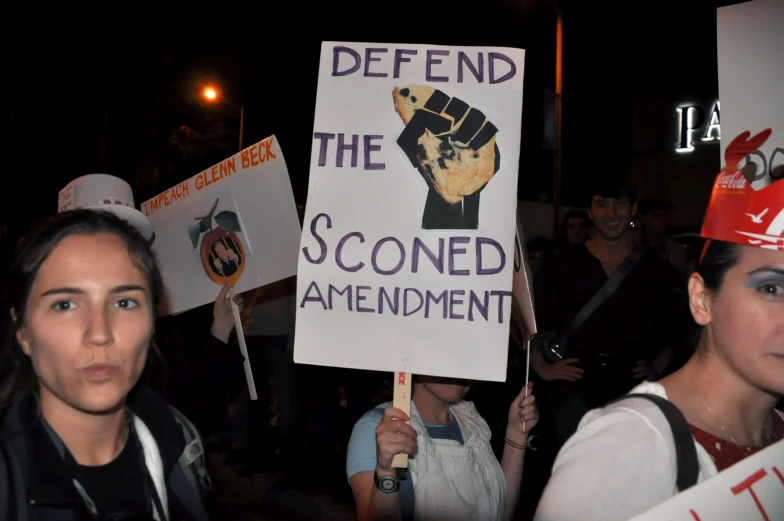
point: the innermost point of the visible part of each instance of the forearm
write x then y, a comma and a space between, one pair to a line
512, 466
538, 361
383, 507
222, 333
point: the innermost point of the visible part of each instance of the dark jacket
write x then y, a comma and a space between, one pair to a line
48, 483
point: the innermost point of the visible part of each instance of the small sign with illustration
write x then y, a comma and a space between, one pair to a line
407, 259
234, 223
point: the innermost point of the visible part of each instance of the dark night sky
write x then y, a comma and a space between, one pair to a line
148, 77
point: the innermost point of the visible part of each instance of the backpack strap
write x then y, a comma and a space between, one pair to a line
193, 460
558, 351
685, 450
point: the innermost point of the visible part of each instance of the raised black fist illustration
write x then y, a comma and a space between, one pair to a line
454, 147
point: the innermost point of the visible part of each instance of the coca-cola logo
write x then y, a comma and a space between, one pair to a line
731, 181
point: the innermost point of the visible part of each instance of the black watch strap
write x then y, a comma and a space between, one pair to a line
387, 484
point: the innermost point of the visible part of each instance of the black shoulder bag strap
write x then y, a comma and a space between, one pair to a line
685, 450
606, 291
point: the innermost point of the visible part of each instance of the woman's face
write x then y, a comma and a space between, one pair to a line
746, 317
88, 323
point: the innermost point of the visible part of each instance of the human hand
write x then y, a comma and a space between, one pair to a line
222, 316
393, 437
563, 370
640, 370
523, 415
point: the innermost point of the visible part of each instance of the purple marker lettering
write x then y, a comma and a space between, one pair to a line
501, 295
434, 61
369, 58
324, 137
339, 252
370, 147
438, 262
319, 240
342, 147
336, 51
406, 312
455, 251
399, 58
453, 301
308, 298
377, 248
361, 298
492, 57
394, 305
478, 72
442, 298
482, 307
481, 241
346, 291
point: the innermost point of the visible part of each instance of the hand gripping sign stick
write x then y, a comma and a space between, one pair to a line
243, 347
402, 401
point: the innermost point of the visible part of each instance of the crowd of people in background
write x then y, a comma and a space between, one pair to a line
473, 454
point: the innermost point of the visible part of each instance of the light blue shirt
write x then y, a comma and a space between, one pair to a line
362, 450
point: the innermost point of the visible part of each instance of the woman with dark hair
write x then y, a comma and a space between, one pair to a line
83, 437
623, 459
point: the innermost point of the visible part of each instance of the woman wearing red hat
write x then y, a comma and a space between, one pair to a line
727, 391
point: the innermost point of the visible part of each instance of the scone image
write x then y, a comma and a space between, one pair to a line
453, 146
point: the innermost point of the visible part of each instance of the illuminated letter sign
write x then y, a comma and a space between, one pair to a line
691, 119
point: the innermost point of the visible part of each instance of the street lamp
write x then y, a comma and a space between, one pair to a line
211, 95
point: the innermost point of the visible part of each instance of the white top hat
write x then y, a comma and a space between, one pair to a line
104, 192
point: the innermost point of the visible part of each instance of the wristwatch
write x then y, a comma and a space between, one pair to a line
387, 484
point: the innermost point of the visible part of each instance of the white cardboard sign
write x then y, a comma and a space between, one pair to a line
750, 40
407, 254
235, 222
750, 490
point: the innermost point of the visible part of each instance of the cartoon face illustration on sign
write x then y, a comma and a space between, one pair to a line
222, 254
453, 146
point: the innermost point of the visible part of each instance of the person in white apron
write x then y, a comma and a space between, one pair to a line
453, 473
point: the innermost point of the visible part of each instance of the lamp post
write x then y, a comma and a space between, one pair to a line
211, 94
558, 115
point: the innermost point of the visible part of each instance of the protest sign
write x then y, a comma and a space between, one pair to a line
235, 222
752, 489
407, 259
750, 40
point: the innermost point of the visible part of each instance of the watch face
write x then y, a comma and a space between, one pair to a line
388, 484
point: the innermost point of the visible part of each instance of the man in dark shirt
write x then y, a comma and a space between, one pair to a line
616, 346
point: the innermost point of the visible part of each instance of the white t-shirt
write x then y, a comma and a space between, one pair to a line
619, 464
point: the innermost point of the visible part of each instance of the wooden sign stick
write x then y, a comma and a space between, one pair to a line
243, 349
527, 366
402, 401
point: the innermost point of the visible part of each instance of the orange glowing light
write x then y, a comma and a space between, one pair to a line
210, 93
